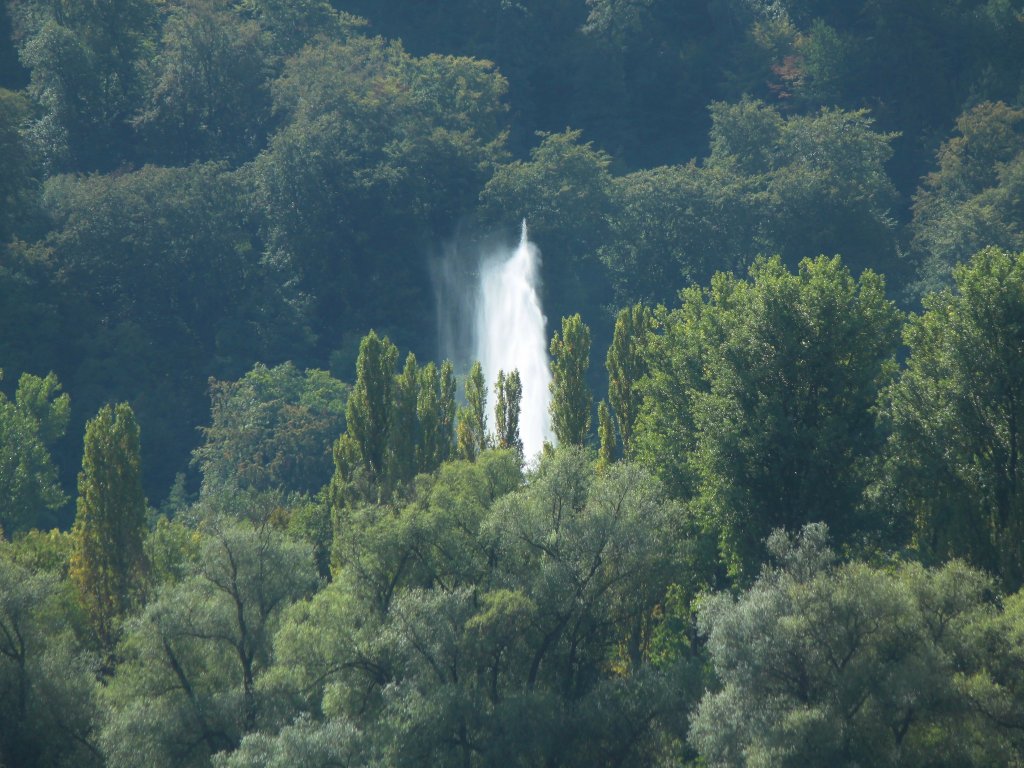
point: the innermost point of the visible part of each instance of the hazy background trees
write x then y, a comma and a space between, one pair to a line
224, 219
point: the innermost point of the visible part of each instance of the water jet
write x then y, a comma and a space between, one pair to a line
511, 333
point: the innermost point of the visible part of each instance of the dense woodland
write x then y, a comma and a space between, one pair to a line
250, 517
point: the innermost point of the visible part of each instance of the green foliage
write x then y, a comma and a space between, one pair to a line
335, 742
183, 295
759, 401
676, 224
435, 411
472, 428
398, 425
403, 433
40, 399
818, 181
19, 188
273, 428
39, 551
626, 367
29, 484
189, 187
368, 416
108, 562
843, 665
992, 681
47, 703
794, 185
954, 474
209, 97
291, 24
972, 200
445, 413
571, 401
30, 320
508, 395
480, 623
187, 685
606, 435
563, 192
309, 520
430, 540
85, 61
379, 155
171, 548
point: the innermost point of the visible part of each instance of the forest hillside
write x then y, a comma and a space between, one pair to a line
257, 508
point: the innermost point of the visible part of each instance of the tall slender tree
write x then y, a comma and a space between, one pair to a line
428, 406
435, 409
625, 364
571, 401
404, 435
368, 411
472, 430
606, 434
108, 561
446, 411
508, 391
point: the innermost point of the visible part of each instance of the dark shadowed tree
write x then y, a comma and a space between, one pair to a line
954, 471
973, 198
272, 429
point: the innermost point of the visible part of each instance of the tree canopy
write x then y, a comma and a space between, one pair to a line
238, 242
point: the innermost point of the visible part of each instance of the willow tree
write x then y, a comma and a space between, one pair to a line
108, 562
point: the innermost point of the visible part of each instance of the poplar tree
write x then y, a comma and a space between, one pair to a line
446, 411
368, 411
108, 562
403, 440
428, 405
625, 364
606, 433
435, 410
472, 430
571, 401
508, 391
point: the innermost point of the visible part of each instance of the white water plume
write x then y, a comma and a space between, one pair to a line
511, 333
